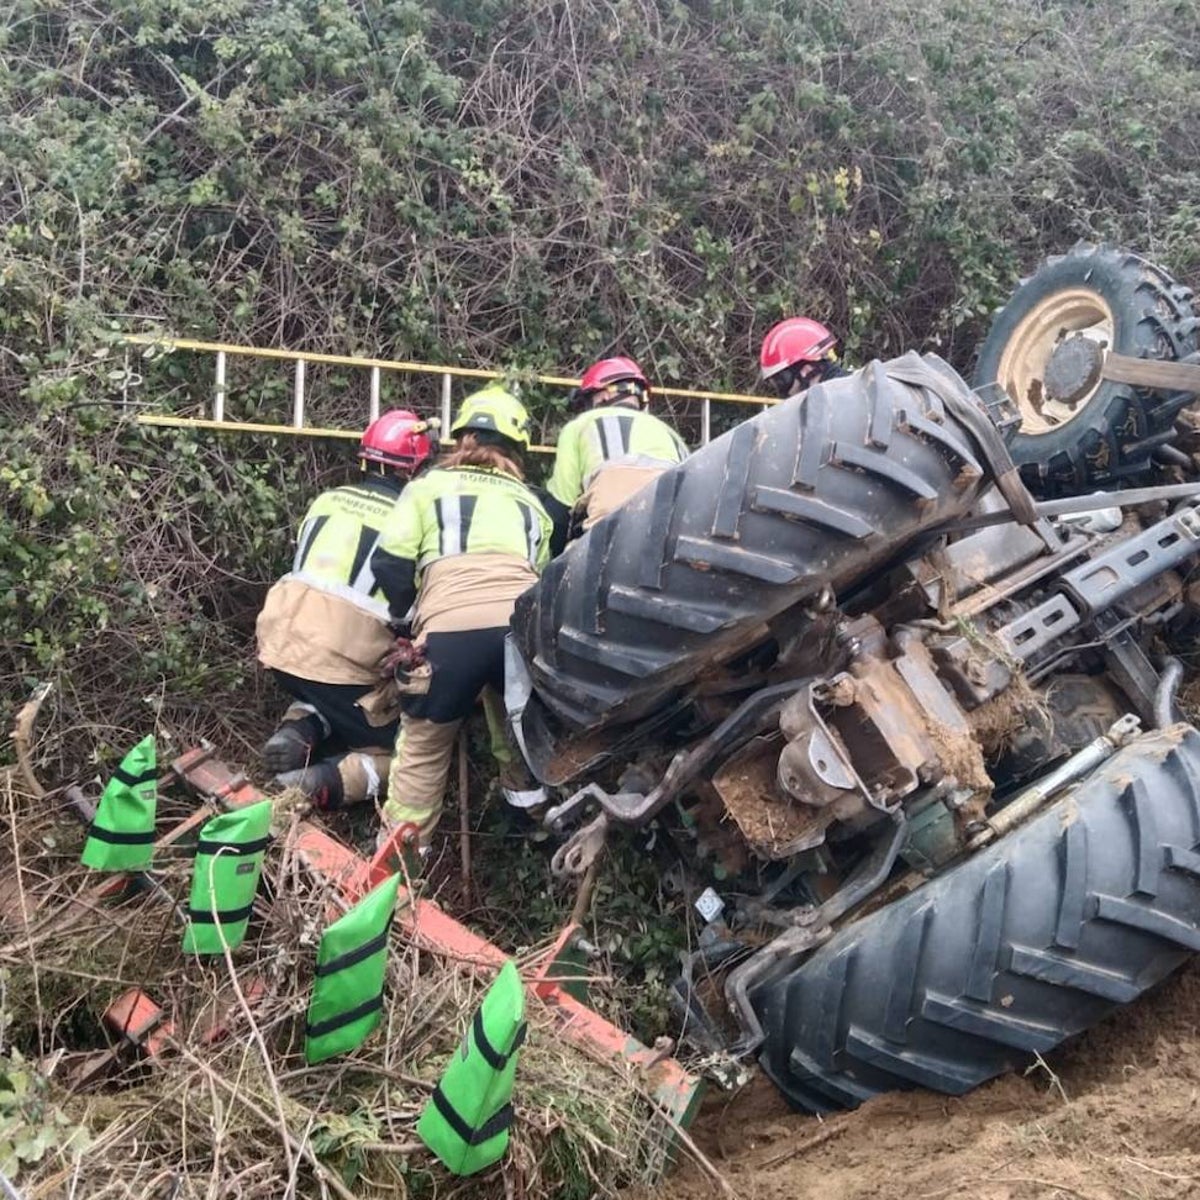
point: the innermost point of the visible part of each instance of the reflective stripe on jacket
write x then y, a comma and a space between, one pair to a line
326, 620
609, 436
339, 534
467, 515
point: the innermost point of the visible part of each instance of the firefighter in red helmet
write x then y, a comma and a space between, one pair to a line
324, 628
610, 451
798, 353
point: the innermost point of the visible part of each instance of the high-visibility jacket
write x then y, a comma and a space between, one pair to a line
326, 620
463, 543
610, 436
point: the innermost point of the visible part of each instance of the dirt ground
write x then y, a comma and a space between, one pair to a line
1115, 1114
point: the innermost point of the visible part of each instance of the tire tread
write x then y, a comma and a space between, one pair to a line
1080, 910
685, 575
1114, 435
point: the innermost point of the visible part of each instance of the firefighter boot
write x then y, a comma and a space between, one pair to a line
517, 783
522, 791
351, 778
321, 782
292, 744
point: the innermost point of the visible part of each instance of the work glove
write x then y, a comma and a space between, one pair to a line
406, 664
404, 655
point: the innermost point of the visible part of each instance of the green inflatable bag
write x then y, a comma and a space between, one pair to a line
229, 858
121, 837
467, 1119
347, 998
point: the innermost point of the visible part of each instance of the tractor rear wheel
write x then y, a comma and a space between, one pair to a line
817, 492
1108, 433
1028, 943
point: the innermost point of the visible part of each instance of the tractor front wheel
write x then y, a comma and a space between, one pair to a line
1109, 431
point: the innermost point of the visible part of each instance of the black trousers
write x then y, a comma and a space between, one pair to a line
336, 703
463, 663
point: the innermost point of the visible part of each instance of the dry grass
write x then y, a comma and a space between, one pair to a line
244, 1117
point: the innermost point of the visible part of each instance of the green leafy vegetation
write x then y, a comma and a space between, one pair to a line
500, 183
33, 1129
526, 185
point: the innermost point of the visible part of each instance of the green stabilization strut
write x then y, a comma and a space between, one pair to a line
347, 998
121, 837
229, 858
466, 1122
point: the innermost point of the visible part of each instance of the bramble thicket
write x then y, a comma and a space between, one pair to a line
517, 186
493, 184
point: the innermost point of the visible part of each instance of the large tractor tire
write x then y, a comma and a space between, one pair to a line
1030, 942
1108, 434
819, 490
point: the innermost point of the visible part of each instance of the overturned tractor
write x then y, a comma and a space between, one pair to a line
897, 691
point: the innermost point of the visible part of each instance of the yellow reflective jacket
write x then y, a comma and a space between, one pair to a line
610, 436
326, 620
463, 543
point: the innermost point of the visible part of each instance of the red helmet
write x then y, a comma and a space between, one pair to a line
398, 438
613, 370
796, 340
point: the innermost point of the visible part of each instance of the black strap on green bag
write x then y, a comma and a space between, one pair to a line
229, 858
467, 1119
121, 837
347, 998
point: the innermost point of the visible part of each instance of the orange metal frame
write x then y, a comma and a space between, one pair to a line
135, 1017
673, 1089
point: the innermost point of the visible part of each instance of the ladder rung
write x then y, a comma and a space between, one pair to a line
298, 396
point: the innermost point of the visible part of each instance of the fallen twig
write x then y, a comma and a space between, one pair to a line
257, 1036
818, 1139
324, 1176
1046, 1183
14, 825
583, 897
464, 817
391, 1147
1137, 1162
22, 736
702, 1160
1055, 1082
961, 1187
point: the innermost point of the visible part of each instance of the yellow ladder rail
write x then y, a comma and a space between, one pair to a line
376, 366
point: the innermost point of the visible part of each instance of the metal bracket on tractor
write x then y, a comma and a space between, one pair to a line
674, 1091
1080, 362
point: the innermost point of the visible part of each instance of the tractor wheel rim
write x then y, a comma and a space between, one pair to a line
1027, 353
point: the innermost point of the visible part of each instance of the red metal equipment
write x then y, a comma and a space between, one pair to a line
673, 1089
134, 1017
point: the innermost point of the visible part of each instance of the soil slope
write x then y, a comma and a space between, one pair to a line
1115, 1114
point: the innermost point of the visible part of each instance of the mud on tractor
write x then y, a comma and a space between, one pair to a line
892, 679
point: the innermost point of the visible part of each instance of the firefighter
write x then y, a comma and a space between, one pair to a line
798, 353
611, 451
324, 628
464, 541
